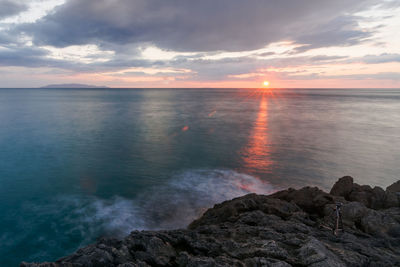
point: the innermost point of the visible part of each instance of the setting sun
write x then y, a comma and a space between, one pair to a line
266, 83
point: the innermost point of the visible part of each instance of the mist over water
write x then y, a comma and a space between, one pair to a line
76, 165
170, 206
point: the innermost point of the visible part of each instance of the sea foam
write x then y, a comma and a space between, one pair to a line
172, 205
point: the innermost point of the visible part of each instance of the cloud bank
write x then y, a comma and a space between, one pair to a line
208, 25
215, 40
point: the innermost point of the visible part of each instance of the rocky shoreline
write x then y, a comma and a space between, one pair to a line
288, 228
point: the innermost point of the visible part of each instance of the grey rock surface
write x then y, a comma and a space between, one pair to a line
288, 228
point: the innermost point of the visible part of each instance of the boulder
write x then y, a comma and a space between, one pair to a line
395, 187
375, 198
392, 200
342, 187
378, 198
310, 199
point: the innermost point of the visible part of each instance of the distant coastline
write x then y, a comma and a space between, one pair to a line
71, 85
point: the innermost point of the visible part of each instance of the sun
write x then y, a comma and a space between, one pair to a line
266, 83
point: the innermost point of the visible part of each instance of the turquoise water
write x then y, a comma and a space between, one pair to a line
76, 165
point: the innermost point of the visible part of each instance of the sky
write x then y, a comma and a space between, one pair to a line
207, 43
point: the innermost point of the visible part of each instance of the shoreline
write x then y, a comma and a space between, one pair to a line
281, 229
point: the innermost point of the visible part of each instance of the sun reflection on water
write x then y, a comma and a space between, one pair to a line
256, 155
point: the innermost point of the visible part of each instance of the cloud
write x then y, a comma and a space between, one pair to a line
224, 40
343, 30
326, 58
5, 38
208, 25
27, 56
382, 58
394, 76
10, 8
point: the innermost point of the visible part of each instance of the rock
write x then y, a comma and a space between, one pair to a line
257, 261
352, 214
360, 196
392, 200
151, 249
231, 210
282, 229
342, 187
379, 223
395, 187
310, 199
374, 198
378, 198
314, 253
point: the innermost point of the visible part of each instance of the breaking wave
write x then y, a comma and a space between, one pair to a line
173, 205
71, 221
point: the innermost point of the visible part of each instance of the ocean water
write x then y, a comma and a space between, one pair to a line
76, 165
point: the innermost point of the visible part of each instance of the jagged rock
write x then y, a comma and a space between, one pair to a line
378, 198
379, 223
314, 253
342, 187
310, 199
374, 198
282, 229
392, 200
395, 187
229, 211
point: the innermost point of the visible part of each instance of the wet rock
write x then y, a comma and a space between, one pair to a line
151, 249
282, 229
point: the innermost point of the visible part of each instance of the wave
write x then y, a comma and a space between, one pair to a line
67, 222
172, 205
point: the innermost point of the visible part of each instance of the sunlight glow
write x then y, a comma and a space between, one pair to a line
266, 83
256, 154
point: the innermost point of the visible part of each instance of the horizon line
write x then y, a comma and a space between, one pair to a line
265, 88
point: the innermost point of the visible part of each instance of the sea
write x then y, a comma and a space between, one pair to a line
77, 165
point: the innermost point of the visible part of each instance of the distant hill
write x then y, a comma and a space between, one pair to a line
72, 85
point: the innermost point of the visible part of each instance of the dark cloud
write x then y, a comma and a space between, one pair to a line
10, 8
207, 25
267, 54
26, 56
343, 30
326, 58
30, 56
383, 58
